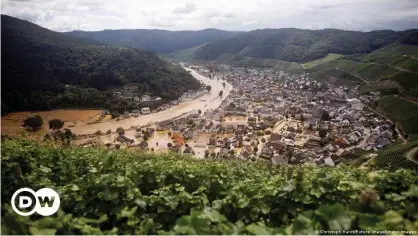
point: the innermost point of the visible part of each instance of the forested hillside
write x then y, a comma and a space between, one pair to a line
297, 45
38, 65
159, 41
131, 192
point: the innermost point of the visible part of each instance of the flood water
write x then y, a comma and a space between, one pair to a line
208, 101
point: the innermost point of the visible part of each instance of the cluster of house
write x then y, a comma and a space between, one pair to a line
129, 93
277, 117
261, 95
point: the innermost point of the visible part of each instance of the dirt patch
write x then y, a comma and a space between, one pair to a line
12, 122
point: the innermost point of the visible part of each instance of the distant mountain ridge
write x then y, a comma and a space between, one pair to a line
299, 45
159, 41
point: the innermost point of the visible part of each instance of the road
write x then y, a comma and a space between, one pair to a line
365, 81
411, 155
395, 67
210, 100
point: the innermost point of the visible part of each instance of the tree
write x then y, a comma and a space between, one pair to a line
302, 118
68, 134
108, 132
223, 84
115, 114
325, 116
169, 145
56, 124
199, 112
208, 88
221, 93
120, 131
145, 137
322, 133
33, 122
255, 149
169, 133
263, 140
207, 153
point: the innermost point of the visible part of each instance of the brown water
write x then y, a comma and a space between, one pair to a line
208, 101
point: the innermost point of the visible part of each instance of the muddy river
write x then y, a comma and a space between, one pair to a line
210, 100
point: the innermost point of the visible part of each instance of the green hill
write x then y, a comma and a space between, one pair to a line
298, 45
38, 64
128, 192
159, 41
184, 55
395, 63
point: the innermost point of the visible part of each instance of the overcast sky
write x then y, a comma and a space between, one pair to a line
67, 15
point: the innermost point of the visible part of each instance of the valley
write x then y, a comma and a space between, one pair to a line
167, 130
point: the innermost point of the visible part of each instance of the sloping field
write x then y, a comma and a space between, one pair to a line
238, 60
399, 61
329, 57
395, 49
394, 157
403, 111
334, 73
408, 81
183, 55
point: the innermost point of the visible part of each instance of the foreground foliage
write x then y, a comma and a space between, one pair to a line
128, 192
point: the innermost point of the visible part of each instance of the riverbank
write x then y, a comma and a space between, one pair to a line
210, 100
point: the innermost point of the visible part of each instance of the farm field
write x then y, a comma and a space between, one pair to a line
329, 57
12, 122
403, 111
395, 157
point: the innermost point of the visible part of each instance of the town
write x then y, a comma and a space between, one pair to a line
268, 116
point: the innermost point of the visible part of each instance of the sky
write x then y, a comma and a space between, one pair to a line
239, 15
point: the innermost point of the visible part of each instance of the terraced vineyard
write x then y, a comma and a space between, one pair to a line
403, 111
394, 157
406, 80
127, 192
396, 62
329, 57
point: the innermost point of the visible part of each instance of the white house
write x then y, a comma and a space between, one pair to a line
146, 98
145, 110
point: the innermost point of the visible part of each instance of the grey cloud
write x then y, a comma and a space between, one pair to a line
187, 8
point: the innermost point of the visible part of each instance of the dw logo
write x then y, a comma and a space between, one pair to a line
45, 201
